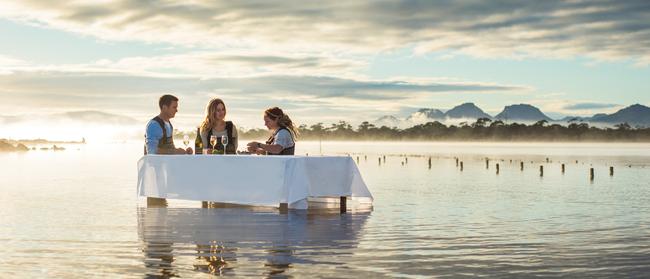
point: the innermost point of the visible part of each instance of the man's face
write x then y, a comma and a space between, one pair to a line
170, 111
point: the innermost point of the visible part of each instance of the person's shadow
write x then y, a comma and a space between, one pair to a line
218, 235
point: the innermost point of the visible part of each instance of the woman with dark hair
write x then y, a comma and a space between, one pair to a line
283, 134
215, 124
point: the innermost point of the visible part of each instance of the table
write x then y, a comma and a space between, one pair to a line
251, 179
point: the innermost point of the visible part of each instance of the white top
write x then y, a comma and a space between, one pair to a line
283, 138
206, 140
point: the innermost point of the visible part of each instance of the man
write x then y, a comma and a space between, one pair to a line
159, 138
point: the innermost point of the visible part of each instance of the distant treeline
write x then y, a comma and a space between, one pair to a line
483, 129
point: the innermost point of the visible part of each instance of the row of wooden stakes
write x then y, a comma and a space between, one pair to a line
487, 165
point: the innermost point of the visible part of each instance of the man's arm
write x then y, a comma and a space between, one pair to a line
153, 136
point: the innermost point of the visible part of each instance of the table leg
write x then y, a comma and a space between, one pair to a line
156, 202
284, 208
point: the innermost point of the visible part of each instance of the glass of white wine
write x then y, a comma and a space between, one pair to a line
224, 142
186, 140
213, 143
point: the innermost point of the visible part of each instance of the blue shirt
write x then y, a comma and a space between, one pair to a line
154, 135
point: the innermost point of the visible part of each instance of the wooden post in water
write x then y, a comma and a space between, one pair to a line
365, 157
379, 160
591, 174
497, 168
521, 166
562, 168
406, 160
284, 208
384, 159
547, 159
611, 171
456, 162
429, 162
461, 165
487, 163
343, 205
357, 160
541, 171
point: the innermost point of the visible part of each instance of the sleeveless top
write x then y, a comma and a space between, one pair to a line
166, 143
286, 151
230, 147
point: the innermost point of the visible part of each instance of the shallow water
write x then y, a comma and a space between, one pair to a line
75, 214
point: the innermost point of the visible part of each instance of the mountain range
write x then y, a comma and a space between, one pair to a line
635, 115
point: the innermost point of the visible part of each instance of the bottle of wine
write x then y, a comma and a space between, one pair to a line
198, 143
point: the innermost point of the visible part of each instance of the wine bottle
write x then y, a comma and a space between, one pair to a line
198, 143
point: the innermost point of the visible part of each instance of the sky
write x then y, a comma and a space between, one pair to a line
320, 61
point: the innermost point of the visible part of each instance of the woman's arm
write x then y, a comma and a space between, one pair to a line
271, 148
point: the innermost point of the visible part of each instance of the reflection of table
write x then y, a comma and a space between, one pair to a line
250, 180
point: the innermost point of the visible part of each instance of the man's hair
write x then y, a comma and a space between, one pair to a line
166, 100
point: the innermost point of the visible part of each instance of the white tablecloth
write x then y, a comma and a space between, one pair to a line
250, 179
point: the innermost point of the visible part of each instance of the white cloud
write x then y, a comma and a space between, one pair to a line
603, 30
313, 97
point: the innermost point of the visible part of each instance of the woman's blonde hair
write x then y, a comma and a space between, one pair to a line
210, 112
275, 113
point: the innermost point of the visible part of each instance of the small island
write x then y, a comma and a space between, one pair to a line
8, 145
5, 146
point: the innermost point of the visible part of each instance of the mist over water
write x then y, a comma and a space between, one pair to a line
75, 213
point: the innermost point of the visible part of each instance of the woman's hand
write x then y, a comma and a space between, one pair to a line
252, 146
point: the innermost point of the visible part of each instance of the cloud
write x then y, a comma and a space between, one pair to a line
603, 30
231, 64
136, 95
588, 106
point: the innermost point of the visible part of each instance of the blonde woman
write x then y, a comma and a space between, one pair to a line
215, 124
283, 134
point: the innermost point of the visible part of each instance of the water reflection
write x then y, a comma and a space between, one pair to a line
241, 241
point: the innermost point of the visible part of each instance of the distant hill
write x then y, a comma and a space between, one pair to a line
426, 115
467, 110
634, 115
522, 112
388, 121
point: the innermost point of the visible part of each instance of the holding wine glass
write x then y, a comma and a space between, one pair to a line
213, 143
224, 142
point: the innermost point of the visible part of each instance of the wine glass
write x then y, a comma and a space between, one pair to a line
186, 140
224, 142
213, 142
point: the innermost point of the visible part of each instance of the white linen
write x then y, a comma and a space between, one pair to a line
250, 179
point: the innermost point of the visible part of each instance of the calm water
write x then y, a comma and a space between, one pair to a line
75, 214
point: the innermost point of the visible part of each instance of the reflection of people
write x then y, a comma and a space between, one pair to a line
215, 124
241, 241
160, 132
214, 258
283, 134
159, 257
